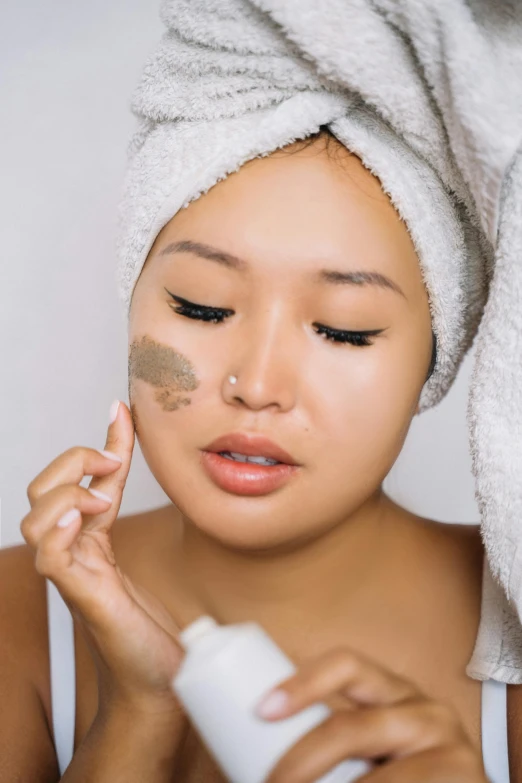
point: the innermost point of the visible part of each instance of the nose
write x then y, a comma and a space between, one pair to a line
265, 360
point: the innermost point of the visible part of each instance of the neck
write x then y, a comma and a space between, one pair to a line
317, 586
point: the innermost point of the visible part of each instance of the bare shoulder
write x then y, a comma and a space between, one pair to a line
23, 599
457, 551
455, 533
23, 613
468, 545
455, 542
463, 543
467, 541
25, 714
26, 745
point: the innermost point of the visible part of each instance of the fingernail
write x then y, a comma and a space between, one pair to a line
272, 705
101, 495
110, 455
113, 411
68, 517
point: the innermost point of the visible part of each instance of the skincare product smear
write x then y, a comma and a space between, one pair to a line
226, 671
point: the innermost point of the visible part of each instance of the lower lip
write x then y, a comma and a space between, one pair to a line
245, 478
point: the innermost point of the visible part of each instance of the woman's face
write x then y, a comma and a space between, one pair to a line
299, 224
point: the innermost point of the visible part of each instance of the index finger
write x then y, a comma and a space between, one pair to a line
340, 670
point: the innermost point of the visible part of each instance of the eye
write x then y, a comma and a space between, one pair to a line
344, 336
199, 312
218, 314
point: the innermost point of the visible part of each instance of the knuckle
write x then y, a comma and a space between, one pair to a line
75, 453
344, 660
60, 499
388, 723
33, 492
78, 494
35, 488
44, 563
439, 720
26, 528
68, 495
402, 722
65, 496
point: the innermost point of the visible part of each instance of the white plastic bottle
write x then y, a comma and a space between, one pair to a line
226, 671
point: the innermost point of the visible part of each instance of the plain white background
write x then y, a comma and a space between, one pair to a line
68, 71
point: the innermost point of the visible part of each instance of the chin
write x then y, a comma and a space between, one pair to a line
241, 523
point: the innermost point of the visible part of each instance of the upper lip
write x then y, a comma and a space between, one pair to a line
251, 445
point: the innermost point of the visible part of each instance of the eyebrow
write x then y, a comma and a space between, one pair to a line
357, 278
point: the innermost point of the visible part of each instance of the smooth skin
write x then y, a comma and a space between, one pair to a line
378, 607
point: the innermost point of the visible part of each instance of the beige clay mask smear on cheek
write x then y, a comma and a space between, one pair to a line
170, 372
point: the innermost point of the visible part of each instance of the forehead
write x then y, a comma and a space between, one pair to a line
298, 208
306, 187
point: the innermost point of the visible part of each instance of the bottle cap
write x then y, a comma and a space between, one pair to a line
195, 630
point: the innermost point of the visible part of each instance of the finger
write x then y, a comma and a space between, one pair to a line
78, 575
46, 513
120, 440
373, 733
69, 468
53, 554
448, 764
339, 669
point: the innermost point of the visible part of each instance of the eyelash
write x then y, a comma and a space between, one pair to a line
217, 315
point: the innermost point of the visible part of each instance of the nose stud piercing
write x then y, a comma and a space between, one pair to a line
232, 378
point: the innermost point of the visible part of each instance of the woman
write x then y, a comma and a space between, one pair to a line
247, 320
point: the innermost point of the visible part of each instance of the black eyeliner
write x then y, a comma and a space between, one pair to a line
218, 314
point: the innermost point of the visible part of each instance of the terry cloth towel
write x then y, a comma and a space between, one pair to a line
429, 96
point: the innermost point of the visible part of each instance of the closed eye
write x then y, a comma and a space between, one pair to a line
219, 314
345, 336
199, 312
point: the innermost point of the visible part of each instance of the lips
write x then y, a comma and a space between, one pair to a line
251, 444
245, 478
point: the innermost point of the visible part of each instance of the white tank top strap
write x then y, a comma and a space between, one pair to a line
494, 731
62, 674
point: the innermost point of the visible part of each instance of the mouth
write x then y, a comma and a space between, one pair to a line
255, 459
251, 447
248, 464
240, 477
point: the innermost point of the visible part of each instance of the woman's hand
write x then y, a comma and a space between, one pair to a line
383, 718
131, 635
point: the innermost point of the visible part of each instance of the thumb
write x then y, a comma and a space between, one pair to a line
120, 440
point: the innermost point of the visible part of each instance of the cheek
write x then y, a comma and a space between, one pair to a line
363, 407
159, 374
